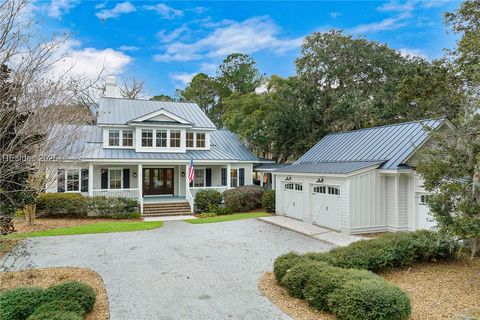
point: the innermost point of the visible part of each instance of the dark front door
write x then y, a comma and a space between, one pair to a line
157, 181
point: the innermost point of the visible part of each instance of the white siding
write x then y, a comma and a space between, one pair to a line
390, 201
403, 201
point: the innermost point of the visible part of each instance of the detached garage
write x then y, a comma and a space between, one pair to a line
359, 181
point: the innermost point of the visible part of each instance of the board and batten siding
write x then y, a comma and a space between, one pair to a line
403, 202
390, 200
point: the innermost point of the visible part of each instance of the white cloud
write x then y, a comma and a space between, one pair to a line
335, 14
128, 48
407, 52
182, 78
165, 11
58, 8
384, 25
398, 6
248, 36
165, 37
119, 9
88, 62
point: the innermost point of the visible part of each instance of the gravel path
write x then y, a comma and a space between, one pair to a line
180, 271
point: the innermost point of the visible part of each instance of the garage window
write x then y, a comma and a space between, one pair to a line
334, 191
288, 186
320, 189
298, 187
424, 199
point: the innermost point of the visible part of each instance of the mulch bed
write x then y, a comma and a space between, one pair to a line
6, 246
46, 277
441, 290
49, 223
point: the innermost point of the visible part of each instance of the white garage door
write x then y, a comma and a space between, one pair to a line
425, 219
325, 206
293, 200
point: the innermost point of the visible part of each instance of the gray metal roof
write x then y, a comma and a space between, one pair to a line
329, 167
121, 111
224, 145
267, 167
391, 144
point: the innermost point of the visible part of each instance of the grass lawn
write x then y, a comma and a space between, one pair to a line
229, 217
99, 227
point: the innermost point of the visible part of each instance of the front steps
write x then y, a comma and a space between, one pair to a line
163, 209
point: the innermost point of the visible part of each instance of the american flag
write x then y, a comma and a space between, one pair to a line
191, 172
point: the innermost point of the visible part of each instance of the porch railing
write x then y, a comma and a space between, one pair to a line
117, 193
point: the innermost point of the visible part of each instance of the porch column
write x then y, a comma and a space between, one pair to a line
140, 185
90, 179
262, 176
229, 184
187, 183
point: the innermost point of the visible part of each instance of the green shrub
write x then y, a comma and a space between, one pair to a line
268, 201
219, 210
297, 276
207, 215
56, 315
206, 198
283, 263
119, 208
58, 306
364, 254
72, 291
369, 300
19, 303
60, 205
244, 198
318, 256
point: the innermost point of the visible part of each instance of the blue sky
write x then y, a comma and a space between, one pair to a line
166, 43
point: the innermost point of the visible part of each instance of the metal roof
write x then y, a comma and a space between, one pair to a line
224, 145
391, 144
329, 167
267, 167
120, 111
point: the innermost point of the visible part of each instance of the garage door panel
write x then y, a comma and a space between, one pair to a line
425, 219
325, 206
293, 200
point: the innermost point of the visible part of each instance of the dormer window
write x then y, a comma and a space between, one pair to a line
147, 138
200, 140
114, 138
127, 137
162, 138
190, 140
175, 138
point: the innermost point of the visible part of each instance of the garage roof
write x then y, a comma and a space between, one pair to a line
330, 167
389, 145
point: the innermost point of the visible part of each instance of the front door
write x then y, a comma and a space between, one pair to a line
157, 181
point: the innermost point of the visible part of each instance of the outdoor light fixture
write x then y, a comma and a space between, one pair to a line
288, 178
319, 180
183, 174
134, 174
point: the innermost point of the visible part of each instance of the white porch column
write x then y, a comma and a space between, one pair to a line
229, 171
140, 185
187, 183
90, 180
262, 175
274, 181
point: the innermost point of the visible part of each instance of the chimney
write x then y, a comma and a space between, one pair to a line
111, 90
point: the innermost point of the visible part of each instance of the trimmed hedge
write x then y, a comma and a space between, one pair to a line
114, 207
59, 205
244, 198
19, 303
56, 315
206, 198
296, 277
283, 263
57, 306
72, 291
268, 201
368, 300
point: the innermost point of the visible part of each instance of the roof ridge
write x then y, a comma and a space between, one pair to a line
342, 161
148, 100
387, 125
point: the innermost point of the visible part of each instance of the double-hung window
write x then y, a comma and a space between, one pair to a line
199, 180
234, 178
200, 140
114, 138
115, 178
162, 138
73, 180
127, 137
175, 139
190, 140
147, 138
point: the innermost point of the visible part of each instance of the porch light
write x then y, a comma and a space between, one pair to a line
288, 178
319, 180
134, 174
183, 173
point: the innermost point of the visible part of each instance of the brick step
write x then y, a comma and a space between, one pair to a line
166, 209
169, 214
165, 206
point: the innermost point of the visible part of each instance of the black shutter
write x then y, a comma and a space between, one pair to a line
224, 176
208, 177
126, 178
104, 178
84, 179
241, 177
61, 180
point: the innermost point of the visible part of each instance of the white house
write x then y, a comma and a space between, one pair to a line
359, 181
141, 149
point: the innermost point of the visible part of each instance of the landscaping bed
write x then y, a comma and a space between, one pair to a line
438, 290
7, 245
45, 278
228, 217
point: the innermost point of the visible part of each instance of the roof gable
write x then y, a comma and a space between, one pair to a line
121, 111
161, 115
392, 144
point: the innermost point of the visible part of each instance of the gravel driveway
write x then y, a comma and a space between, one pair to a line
180, 271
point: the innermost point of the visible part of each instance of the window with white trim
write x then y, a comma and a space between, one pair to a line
161, 138
424, 199
73, 180
115, 178
320, 189
293, 186
298, 186
174, 138
200, 140
147, 138
334, 191
233, 178
114, 137
127, 138
190, 141
199, 180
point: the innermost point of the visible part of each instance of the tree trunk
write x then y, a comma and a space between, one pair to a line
30, 212
474, 246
